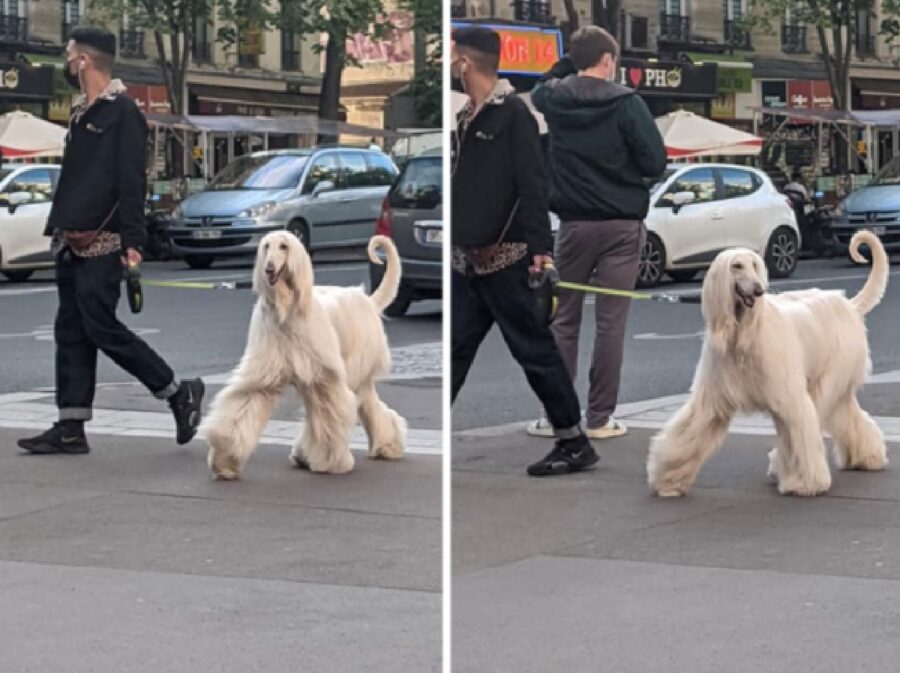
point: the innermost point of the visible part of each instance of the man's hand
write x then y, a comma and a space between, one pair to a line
538, 262
131, 258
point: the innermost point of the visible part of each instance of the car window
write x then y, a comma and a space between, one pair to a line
381, 169
889, 175
737, 183
419, 185
701, 182
354, 169
38, 183
261, 172
324, 168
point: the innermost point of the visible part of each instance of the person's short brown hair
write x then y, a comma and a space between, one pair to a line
481, 46
588, 46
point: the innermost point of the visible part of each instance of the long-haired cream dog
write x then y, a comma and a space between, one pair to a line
327, 342
800, 356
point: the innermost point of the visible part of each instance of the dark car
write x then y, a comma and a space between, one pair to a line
412, 215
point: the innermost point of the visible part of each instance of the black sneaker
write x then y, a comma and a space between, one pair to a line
186, 406
58, 439
568, 455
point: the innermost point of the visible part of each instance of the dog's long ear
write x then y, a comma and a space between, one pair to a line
718, 304
259, 276
299, 276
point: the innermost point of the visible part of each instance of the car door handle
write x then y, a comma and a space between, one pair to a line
718, 215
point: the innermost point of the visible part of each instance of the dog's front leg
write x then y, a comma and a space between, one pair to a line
803, 469
385, 428
330, 415
234, 425
681, 448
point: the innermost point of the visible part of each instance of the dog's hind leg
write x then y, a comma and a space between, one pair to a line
234, 425
385, 428
858, 441
804, 466
681, 448
330, 415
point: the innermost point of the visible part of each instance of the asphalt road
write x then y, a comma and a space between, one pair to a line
133, 559
662, 348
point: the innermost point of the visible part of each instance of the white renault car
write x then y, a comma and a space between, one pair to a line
698, 210
26, 193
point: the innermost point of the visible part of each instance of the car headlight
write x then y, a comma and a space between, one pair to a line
841, 209
260, 210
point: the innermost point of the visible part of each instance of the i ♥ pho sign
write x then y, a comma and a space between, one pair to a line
666, 78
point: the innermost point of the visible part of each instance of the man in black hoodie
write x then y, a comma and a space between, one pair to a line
97, 226
500, 232
603, 143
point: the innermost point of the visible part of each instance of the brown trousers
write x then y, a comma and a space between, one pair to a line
606, 254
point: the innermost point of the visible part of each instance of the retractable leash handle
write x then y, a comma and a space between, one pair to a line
545, 285
133, 287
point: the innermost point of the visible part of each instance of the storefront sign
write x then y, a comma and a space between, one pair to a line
669, 78
19, 80
809, 94
736, 80
774, 94
723, 107
150, 98
525, 50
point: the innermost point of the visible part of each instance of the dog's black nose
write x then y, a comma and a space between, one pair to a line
758, 290
270, 267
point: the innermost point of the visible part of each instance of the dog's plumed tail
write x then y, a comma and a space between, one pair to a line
386, 292
872, 292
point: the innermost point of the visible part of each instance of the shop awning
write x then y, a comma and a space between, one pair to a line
45, 59
688, 135
255, 97
725, 60
889, 118
292, 125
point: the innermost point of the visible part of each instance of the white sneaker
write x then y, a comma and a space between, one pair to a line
613, 428
540, 428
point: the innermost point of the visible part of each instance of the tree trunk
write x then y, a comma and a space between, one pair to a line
571, 24
330, 97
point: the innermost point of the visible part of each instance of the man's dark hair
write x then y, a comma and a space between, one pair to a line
797, 175
588, 46
99, 43
481, 45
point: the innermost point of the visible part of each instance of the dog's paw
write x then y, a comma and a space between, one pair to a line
389, 451
670, 492
225, 467
299, 461
805, 488
338, 464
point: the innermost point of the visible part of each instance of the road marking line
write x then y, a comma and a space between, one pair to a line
17, 412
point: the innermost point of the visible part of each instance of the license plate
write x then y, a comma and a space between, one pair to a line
434, 235
206, 234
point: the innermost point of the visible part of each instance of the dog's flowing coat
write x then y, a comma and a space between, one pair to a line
800, 356
327, 342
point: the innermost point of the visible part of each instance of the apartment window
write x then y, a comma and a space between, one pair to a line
201, 49
865, 33
131, 38
458, 9
250, 46
532, 11
291, 44
793, 34
72, 11
674, 23
735, 34
13, 24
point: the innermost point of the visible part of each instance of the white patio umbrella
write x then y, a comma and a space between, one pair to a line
22, 135
686, 134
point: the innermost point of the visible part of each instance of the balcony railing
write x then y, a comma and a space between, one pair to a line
248, 60
737, 36
290, 60
793, 39
13, 28
131, 43
202, 52
675, 28
532, 11
458, 9
865, 44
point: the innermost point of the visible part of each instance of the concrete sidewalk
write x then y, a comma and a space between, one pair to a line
589, 572
133, 560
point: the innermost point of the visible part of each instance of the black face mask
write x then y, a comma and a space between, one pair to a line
73, 80
457, 85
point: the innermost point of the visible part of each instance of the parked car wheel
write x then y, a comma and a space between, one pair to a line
782, 252
399, 307
18, 276
300, 229
653, 262
199, 261
683, 275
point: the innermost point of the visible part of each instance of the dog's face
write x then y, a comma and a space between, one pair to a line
732, 288
283, 272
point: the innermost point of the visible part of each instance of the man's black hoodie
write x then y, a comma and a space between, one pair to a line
603, 143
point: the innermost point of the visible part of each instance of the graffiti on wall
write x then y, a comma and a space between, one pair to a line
396, 48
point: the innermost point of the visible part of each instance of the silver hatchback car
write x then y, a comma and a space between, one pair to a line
328, 197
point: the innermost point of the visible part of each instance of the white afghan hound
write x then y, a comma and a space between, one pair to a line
800, 356
327, 342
